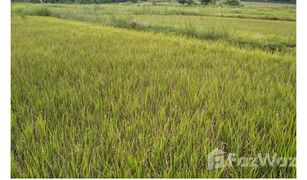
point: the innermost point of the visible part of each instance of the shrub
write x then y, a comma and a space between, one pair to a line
42, 11
34, 11
232, 2
126, 22
206, 2
182, 1
191, 2
189, 29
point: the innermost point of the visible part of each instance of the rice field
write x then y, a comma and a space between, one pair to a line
244, 27
143, 90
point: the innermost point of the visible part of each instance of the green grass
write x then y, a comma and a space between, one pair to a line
269, 5
209, 24
268, 13
90, 100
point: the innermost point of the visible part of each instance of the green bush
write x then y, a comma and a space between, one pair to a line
191, 2
221, 2
33, 11
205, 1
42, 11
182, 1
232, 2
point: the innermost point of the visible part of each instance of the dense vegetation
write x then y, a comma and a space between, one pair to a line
197, 22
143, 90
230, 2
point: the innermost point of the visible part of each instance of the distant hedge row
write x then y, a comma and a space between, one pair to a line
116, 1
280, 1
75, 1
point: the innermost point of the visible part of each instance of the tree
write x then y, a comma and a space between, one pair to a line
191, 2
182, 1
232, 2
206, 2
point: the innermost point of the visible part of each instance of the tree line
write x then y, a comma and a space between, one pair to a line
279, 1
77, 1
227, 2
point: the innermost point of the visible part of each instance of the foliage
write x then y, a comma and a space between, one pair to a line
191, 2
221, 2
206, 2
32, 11
117, 1
182, 1
232, 2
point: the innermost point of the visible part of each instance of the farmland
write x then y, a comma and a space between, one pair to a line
144, 90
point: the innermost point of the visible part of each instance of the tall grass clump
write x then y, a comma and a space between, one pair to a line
190, 30
38, 10
126, 22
